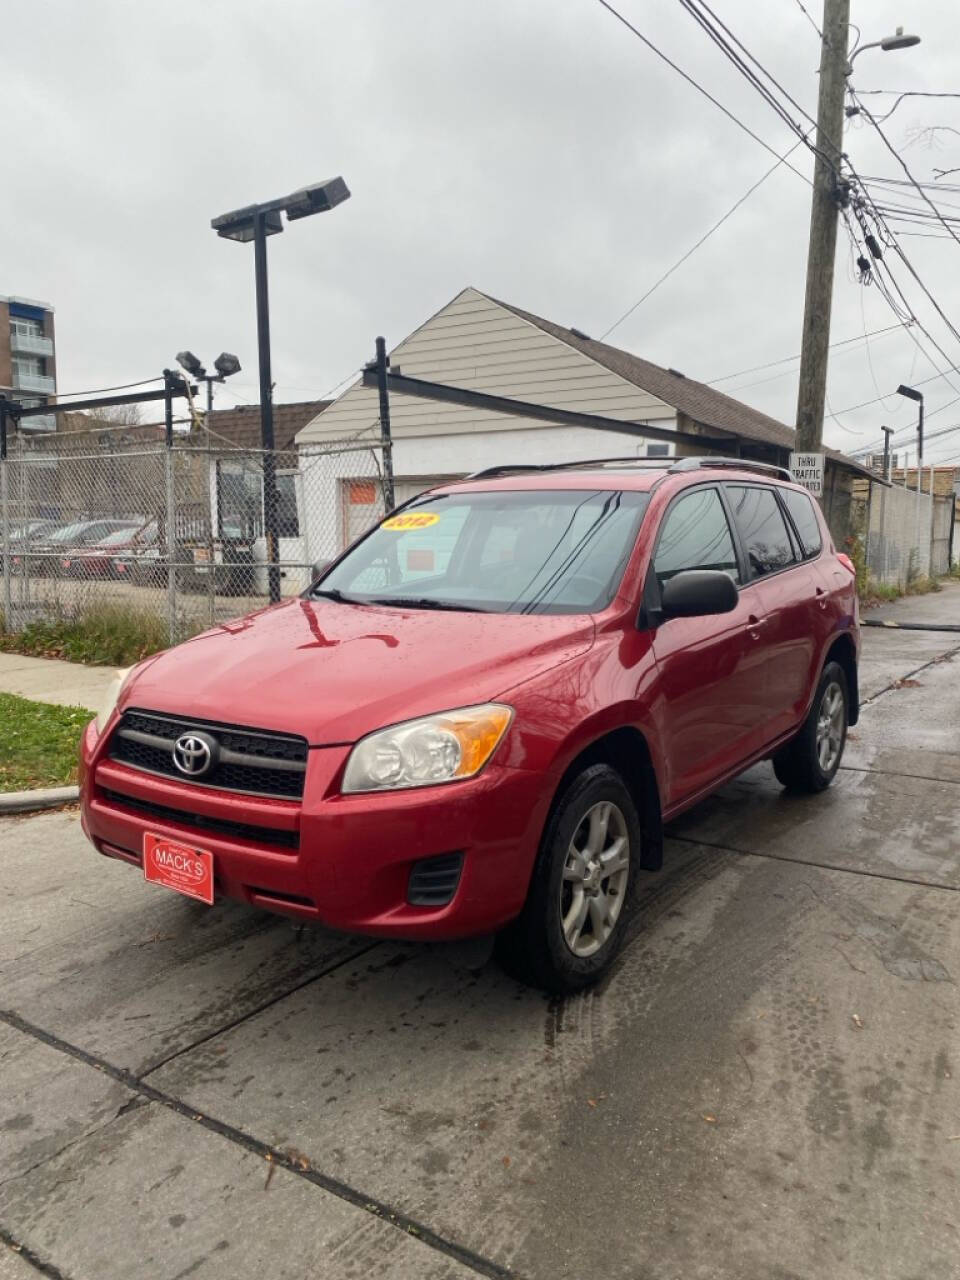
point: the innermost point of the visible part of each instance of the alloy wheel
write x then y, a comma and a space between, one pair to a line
595, 875
830, 724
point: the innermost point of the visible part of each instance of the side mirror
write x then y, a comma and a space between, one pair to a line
319, 566
698, 592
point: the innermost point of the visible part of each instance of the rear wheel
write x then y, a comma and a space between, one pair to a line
575, 916
809, 762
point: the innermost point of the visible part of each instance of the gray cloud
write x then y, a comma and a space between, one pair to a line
536, 150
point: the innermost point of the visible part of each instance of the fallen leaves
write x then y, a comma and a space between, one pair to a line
710, 1119
857, 1021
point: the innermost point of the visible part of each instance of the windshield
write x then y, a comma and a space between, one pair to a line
121, 536
535, 551
68, 532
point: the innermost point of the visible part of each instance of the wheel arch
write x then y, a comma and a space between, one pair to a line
844, 653
626, 750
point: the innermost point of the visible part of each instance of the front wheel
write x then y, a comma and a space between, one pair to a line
575, 916
809, 762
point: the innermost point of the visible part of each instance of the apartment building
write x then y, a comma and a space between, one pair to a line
28, 370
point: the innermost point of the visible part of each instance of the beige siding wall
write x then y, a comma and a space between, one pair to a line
473, 342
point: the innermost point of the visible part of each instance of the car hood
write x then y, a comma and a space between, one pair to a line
333, 672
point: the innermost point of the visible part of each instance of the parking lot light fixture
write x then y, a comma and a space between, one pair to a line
255, 222
225, 364
912, 393
187, 360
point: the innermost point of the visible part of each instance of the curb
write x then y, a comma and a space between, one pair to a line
910, 626
46, 798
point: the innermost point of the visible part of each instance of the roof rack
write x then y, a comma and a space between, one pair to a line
738, 464
671, 465
489, 473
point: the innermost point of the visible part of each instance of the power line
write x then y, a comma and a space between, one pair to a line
904, 166
906, 93
706, 236
907, 433
875, 333
122, 386
694, 7
920, 382
867, 202
873, 376
806, 14
696, 85
714, 26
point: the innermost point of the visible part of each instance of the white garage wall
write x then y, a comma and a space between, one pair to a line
323, 474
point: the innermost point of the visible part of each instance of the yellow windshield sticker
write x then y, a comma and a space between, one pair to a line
411, 520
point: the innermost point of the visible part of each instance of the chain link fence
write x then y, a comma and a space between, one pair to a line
173, 539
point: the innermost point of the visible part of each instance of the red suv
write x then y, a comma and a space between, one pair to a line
481, 715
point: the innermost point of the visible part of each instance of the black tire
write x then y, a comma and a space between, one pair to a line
798, 765
533, 948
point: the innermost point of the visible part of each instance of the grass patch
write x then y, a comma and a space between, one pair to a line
111, 636
873, 593
39, 744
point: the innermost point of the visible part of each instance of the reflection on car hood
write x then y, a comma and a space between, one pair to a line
334, 672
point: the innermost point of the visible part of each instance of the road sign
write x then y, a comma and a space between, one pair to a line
807, 469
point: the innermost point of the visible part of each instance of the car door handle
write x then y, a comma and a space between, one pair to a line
754, 624
821, 597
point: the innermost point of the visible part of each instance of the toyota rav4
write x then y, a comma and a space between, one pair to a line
479, 718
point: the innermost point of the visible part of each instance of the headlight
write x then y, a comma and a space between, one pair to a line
110, 698
420, 753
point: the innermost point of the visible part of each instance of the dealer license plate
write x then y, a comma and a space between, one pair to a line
178, 866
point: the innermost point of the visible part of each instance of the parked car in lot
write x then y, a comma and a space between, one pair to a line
26, 531
101, 559
47, 553
481, 715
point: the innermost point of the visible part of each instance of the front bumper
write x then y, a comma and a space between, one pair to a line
343, 861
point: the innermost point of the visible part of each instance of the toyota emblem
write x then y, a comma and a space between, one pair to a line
193, 754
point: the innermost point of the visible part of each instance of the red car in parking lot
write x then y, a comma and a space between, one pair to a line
481, 715
108, 557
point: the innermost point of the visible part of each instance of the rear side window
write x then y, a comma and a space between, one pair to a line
695, 535
763, 532
800, 506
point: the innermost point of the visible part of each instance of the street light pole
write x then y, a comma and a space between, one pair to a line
256, 222
912, 393
266, 406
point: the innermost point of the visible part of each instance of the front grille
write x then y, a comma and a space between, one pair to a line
433, 881
248, 760
217, 826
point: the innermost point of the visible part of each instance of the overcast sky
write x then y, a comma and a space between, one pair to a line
532, 148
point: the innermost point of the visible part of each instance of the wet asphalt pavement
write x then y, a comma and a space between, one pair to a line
766, 1086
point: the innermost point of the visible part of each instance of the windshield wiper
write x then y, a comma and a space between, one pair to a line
331, 593
426, 602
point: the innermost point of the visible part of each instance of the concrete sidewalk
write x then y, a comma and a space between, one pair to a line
70, 684
766, 1087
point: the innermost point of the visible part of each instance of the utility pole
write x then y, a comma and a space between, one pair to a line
824, 214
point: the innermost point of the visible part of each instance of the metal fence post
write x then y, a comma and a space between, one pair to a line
932, 512
5, 512
386, 438
171, 517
